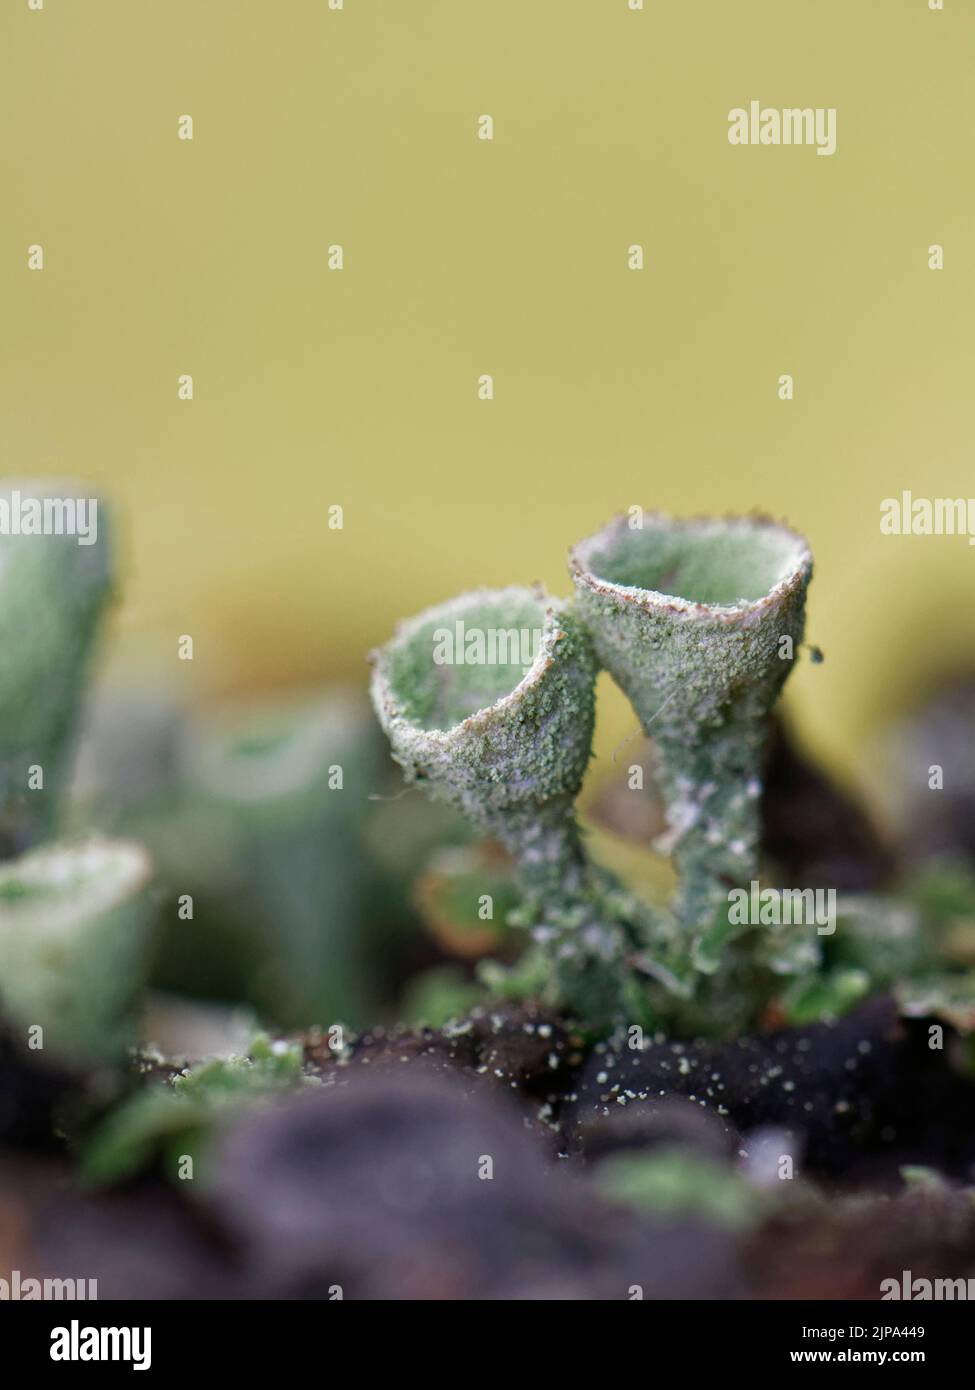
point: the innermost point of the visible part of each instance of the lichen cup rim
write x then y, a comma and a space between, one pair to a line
312, 723
481, 718
744, 611
86, 876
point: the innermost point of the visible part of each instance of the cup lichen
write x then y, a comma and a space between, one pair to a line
699, 622
75, 921
53, 591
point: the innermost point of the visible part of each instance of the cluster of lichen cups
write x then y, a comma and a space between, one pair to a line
75, 914
699, 622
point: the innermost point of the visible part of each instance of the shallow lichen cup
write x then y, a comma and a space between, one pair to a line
488, 703
699, 621
75, 923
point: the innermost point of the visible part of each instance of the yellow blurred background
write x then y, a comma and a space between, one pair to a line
358, 387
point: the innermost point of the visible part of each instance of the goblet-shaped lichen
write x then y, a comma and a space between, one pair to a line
284, 783
52, 593
488, 703
74, 926
699, 621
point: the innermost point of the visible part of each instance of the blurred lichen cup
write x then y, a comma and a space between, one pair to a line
54, 584
699, 621
284, 784
75, 924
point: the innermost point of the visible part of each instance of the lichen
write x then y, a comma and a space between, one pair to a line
699, 623
74, 932
53, 592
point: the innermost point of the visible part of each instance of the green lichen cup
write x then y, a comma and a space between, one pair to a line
488, 702
75, 922
699, 621
284, 784
53, 590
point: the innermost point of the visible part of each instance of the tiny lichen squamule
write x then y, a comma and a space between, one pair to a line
689, 618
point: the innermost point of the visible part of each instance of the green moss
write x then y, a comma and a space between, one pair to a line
179, 1116
436, 996
673, 1182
